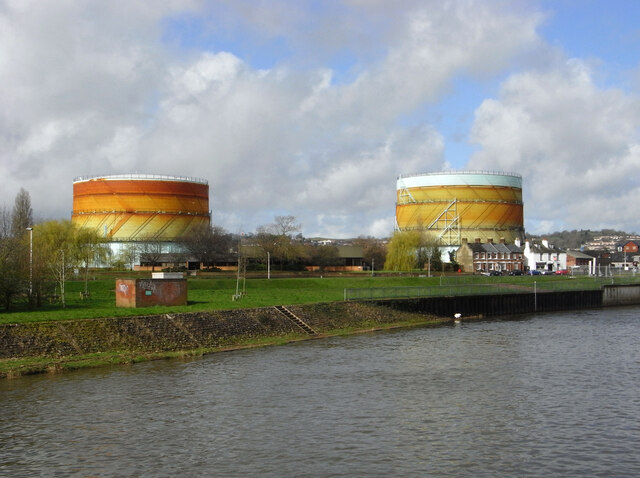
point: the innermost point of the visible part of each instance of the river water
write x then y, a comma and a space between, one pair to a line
543, 395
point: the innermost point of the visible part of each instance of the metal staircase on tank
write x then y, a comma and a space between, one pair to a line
448, 222
295, 319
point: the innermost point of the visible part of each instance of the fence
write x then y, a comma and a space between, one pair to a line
464, 288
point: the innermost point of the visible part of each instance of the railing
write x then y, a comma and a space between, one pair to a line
465, 289
426, 291
462, 172
161, 177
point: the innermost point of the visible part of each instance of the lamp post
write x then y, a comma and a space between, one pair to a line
30, 229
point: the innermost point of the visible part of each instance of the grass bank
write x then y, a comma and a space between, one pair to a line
94, 332
215, 293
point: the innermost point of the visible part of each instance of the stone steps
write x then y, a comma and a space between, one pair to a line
295, 319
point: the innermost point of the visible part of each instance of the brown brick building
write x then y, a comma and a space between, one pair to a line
486, 257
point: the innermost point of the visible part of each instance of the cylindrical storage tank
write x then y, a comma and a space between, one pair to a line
141, 207
461, 204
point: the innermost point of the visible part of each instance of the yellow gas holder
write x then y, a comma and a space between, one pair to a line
453, 205
139, 207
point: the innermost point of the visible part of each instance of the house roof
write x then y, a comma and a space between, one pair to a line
491, 247
542, 249
579, 255
350, 251
620, 257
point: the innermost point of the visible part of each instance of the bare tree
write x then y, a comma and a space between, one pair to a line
276, 239
323, 256
374, 251
285, 225
150, 252
267, 240
5, 222
208, 244
22, 215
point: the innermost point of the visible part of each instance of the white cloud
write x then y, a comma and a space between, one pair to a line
92, 88
575, 144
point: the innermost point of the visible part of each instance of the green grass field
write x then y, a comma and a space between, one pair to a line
215, 293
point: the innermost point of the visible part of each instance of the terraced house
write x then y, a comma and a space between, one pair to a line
489, 256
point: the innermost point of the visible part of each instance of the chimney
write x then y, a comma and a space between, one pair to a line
545, 243
517, 242
477, 240
502, 240
464, 241
490, 240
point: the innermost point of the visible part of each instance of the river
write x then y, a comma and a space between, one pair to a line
540, 395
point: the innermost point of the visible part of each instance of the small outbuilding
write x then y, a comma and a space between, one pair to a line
162, 289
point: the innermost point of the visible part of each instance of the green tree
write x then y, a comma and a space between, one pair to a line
89, 248
402, 251
54, 242
128, 255
12, 276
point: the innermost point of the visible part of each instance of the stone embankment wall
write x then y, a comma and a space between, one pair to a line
170, 332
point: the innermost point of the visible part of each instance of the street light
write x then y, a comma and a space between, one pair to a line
30, 229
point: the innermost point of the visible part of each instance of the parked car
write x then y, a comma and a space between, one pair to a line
495, 273
562, 272
516, 272
534, 272
548, 273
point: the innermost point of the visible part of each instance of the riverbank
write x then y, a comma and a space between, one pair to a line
55, 346
59, 346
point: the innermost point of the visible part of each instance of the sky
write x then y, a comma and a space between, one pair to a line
313, 108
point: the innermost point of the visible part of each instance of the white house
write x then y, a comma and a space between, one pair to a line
544, 257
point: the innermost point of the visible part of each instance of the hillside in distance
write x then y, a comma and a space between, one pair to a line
576, 239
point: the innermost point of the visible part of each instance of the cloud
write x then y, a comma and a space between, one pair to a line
99, 88
575, 144
75, 76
